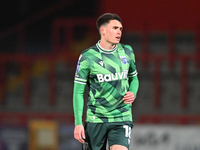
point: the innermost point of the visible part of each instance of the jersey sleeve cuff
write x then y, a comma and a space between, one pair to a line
133, 74
80, 81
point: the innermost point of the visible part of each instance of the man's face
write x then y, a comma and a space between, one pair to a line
112, 32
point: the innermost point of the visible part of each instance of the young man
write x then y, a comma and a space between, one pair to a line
108, 68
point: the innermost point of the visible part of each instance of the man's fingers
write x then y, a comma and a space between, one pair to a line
128, 98
127, 102
129, 94
81, 140
83, 134
78, 137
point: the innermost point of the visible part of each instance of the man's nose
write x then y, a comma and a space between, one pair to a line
119, 32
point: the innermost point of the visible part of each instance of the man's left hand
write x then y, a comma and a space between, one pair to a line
129, 98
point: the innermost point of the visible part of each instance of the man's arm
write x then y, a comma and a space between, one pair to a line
134, 85
78, 104
133, 80
80, 80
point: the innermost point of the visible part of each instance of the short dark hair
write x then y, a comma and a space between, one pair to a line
105, 18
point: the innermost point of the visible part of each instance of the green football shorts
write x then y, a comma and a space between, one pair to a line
97, 135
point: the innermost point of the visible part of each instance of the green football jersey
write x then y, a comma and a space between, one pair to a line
107, 73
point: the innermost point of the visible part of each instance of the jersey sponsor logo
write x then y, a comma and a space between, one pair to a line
123, 59
101, 63
112, 77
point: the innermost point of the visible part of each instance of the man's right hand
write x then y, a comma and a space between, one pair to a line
79, 133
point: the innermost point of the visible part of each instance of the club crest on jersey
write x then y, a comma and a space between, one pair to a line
123, 59
78, 66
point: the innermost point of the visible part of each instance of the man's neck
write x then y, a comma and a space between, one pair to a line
106, 45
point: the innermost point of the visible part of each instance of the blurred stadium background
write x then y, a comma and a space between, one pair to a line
40, 41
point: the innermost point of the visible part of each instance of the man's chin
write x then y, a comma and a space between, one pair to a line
117, 42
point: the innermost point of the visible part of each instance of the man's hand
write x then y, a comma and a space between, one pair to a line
79, 133
129, 98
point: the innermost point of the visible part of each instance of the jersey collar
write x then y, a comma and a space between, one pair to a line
104, 50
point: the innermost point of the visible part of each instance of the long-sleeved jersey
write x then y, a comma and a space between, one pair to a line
109, 75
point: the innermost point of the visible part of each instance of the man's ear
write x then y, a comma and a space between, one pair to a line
102, 30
